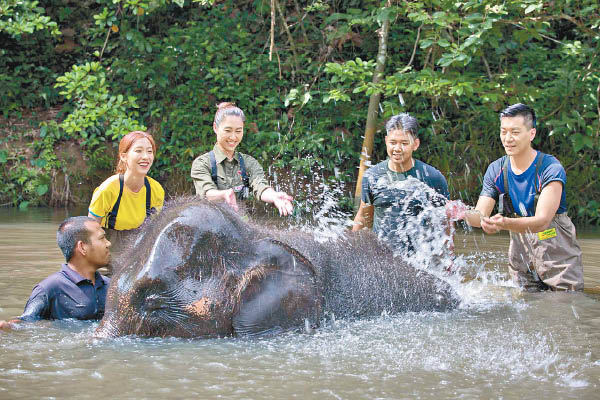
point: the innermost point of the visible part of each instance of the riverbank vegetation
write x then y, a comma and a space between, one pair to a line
76, 75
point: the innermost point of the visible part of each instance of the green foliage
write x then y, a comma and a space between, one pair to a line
165, 64
473, 58
31, 62
18, 17
96, 113
25, 181
180, 75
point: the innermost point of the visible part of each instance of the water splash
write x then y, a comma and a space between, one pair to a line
479, 278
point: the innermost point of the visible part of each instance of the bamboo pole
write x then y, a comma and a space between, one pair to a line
367, 147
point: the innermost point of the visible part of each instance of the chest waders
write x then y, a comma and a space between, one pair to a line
244, 192
505, 204
118, 238
552, 257
112, 215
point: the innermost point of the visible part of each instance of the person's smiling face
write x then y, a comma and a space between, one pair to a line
139, 157
400, 147
516, 135
230, 132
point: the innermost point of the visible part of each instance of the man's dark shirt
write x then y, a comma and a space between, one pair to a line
66, 294
388, 199
399, 198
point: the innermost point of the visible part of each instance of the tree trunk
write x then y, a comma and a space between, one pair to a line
367, 147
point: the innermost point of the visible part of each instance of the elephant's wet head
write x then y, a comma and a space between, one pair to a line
198, 270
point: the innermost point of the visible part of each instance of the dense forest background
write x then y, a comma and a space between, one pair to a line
76, 75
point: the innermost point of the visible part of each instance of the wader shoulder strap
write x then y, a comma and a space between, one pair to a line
504, 203
243, 170
536, 181
505, 173
112, 215
539, 159
149, 210
538, 165
537, 184
213, 166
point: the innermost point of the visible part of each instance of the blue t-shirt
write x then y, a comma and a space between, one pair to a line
66, 294
400, 195
522, 187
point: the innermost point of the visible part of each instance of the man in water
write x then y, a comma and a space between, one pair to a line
529, 187
391, 195
77, 290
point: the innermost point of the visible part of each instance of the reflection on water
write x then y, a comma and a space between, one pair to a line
501, 343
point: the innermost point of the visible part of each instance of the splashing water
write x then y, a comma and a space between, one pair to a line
327, 220
424, 239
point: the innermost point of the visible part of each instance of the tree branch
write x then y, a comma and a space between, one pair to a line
290, 38
598, 108
272, 30
371, 125
427, 57
487, 67
105, 42
412, 57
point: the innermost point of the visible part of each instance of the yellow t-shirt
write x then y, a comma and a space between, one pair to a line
132, 209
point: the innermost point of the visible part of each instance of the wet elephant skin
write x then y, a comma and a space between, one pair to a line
198, 271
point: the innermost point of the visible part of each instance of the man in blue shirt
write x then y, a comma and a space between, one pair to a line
77, 290
397, 190
530, 189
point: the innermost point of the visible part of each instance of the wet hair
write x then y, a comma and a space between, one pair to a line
226, 109
523, 110
126, 143
71, 231
404, 122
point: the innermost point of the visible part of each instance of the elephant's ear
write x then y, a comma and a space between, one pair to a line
276, 294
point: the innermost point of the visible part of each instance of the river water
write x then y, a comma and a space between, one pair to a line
500, 343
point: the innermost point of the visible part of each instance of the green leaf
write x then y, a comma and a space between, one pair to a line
23, 205
530, 8
306, 98
41, 190
470, 40
39, 162
291, 97
3, 156
425, 43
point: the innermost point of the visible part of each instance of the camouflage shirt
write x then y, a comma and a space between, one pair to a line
229, 174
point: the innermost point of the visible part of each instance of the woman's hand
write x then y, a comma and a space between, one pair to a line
283, 202
227, 195
229, 198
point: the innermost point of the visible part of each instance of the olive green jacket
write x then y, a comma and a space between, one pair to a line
228, 173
